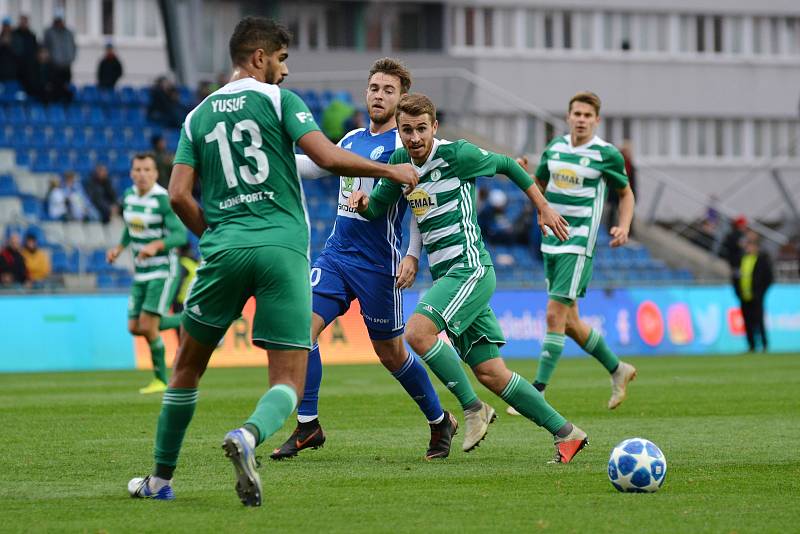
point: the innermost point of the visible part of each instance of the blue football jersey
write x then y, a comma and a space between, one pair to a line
373, 245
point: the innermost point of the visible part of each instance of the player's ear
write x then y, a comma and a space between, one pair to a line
435, 126
258, 58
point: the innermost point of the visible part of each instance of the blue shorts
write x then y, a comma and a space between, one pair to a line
335, 284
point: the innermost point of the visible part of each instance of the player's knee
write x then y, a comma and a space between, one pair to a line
416, 339
554, 318
394, 358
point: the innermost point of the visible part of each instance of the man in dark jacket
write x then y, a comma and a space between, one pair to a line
25, 45
101, 193
109, 69
12, 265
751, 282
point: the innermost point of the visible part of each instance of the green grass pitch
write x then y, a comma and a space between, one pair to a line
729, 426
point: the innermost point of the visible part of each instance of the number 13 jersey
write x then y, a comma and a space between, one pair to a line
240, 140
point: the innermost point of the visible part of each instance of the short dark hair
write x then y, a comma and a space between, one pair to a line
145, 155
392, 67
415, 105
253, 33
586, 97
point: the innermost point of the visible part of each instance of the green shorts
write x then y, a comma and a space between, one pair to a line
152, 296
567, 276
277, 277
458, 303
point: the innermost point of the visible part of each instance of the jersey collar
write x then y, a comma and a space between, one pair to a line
422, 168
590, 142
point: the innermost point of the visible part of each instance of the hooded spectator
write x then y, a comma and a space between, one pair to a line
109, 69
25, 45
8, 60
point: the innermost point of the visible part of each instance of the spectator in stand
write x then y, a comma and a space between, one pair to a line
731, 249
338, 118
751, 282
37, 261
41, 81
12, 264
25, 46
165, 104
101, 193
68, 201
495, 225
109, 69
8, 59
163, 159
60, 42
203, 90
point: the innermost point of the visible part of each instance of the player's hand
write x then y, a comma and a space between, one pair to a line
359, 201
407, 272
550, 218
112, 254
620, 236
405, 175
523, 162
150, 250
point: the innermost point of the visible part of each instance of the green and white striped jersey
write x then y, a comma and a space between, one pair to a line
444, 203
149, 218
576, 178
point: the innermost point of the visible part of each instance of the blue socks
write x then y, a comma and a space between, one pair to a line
308, 407
415, 380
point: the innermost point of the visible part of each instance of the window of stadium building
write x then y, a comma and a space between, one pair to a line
383, 27
615, 34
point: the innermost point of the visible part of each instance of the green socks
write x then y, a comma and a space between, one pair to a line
446, 365
552, 346
529, 402
272, 410
597, 347
177, 409
168, 322
157, 354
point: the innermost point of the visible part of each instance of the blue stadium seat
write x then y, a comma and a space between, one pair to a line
16, 115
8, 187
88, 94
127, 95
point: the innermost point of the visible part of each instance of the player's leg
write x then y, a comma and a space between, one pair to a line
492, 372
331, 298
217, 298
382, 310
593, 343
282, 326
553, 342
566, 276
148, 328
408, 370
452, 304
169, 321
308, 434
287, 369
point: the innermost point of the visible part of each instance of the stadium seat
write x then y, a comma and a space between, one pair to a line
10, 210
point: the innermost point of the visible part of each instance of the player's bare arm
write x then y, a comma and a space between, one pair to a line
183, 203
113, 253
150, 249
619, 233
407, 272
345, 163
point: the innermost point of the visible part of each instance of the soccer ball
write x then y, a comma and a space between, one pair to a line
637, 466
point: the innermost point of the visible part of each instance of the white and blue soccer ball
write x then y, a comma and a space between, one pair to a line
637, 466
